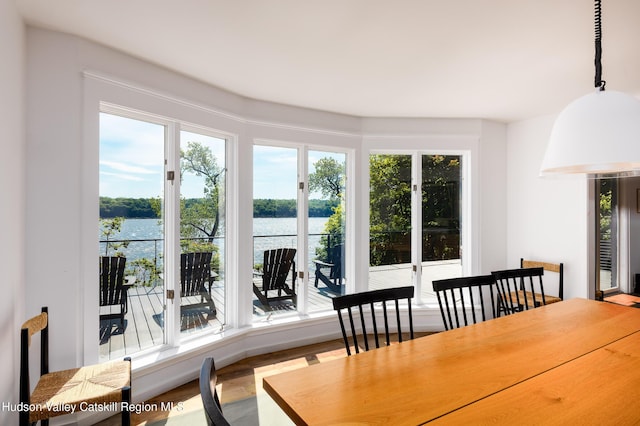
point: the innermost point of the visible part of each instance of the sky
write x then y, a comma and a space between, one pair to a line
132, 158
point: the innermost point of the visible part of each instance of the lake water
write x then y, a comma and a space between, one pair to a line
145, 236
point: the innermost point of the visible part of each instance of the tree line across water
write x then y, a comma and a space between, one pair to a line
142, 208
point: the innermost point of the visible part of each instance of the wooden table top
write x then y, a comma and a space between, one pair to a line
599, 388
423, 379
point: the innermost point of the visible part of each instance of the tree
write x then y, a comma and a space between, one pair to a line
390, 205
440, 190
109, 228
606, 195
328, 178
201, 217
441, 207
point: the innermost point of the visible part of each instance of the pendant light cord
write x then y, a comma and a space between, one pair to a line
598, 63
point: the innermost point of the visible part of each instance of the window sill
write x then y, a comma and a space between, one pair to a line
149, 361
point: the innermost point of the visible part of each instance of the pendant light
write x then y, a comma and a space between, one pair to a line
597, 134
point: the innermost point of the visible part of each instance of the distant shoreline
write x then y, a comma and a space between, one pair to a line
140, 208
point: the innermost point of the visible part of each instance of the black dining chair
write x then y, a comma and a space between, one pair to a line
460, 299
556, 269
364, 306
520, 290
209, 395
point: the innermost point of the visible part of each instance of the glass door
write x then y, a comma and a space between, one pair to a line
131, 235
275, 231
441, 182
390, 252
202, 232
326, 228
607, 234
415, 220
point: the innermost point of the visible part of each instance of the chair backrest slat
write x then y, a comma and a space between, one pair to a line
39, 323
557, 268
374, 324
367, 301
519, 289
112, 280
276, 266
458, 295
336, 258
195, 271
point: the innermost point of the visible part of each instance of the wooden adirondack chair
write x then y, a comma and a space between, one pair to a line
113, 290
195, 271
331, 273
274, 286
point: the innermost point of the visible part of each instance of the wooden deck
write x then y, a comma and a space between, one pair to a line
144, 321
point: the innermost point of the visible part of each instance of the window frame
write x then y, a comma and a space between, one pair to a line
357, 138
302, 203
469, 249
172, 338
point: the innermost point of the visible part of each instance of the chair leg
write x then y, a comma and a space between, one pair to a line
126, 398
205, 298
262, 298
499, 307
24, 418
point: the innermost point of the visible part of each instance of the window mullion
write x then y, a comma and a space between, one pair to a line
172, 234
303, 229
416, 223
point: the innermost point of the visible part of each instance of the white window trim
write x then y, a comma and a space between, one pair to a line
173, 339
302, 284
100, 88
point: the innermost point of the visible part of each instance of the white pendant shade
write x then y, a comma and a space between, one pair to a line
596, 134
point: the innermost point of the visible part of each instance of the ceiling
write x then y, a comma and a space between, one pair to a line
504, 60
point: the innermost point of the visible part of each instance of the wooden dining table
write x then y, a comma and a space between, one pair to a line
573, 361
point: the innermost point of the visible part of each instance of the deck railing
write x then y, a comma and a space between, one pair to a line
144, 256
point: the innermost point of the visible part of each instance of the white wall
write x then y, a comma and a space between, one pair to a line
546, 217
492, 198
54, 147
62, 183
12, 208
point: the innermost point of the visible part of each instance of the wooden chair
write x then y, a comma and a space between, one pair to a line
557, 268
195, 272
362, 302
210, 400
459, 297
113, 290
275, 271
521, 289
61, 392
330, 273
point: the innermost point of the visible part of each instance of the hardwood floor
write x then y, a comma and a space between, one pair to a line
237, 381
240, 380
624, 299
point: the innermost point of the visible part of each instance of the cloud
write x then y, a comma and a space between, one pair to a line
123, 176
123, 167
